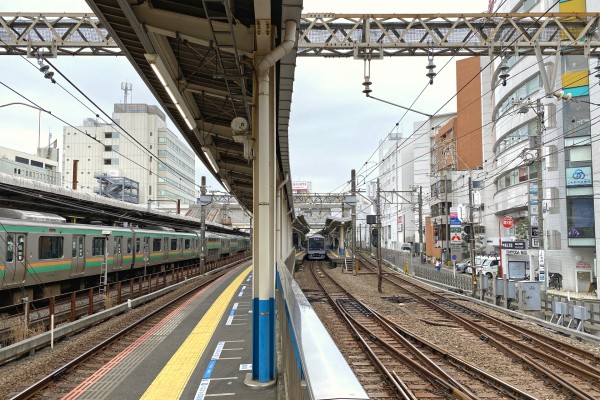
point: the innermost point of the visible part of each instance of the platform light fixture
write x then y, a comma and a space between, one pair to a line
226, 185
170, 86
210, 158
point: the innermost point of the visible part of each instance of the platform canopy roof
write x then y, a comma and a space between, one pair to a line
333, 224
197, 57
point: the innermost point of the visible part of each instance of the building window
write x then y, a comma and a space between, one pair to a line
108, 161
580, 217
22, 160
108, 148
37, 164
576, 117
572, 63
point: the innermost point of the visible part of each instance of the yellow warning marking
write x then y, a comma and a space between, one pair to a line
173, 378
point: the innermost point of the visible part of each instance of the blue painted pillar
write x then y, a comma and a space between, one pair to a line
263, 302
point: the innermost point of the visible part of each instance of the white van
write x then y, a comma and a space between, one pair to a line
489, 266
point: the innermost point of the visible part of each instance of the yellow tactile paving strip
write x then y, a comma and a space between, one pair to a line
172, 380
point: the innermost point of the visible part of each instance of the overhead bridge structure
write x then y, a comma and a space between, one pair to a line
339, 35
224, 70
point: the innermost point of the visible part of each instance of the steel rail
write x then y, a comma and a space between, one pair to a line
71, 365
392, 380
424, 365
492, 336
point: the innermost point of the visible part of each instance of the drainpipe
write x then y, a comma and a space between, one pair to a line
285, 47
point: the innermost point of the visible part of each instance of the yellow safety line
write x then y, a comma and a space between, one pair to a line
172, 380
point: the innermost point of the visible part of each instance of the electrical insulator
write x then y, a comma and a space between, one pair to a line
367, 85
503, 72
430, 71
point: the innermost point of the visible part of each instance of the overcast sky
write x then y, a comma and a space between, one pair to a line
333, 128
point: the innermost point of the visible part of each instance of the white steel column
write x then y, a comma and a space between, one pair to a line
264, 194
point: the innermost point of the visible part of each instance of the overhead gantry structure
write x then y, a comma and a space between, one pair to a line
334, 35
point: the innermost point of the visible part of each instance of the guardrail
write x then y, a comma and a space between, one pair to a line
313, 366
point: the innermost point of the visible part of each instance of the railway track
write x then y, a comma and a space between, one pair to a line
378, 382
564, 367
69, 307
415, 367
68, 375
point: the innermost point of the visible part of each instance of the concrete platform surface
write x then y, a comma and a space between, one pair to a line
203, 349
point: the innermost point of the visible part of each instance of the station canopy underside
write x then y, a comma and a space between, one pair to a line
206, 50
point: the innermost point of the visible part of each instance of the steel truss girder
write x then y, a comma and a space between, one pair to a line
55, 34
316, 198
341, 35
376, 36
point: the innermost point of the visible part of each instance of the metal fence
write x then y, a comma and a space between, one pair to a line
463, 283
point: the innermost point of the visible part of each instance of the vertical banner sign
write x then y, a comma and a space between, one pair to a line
534, 240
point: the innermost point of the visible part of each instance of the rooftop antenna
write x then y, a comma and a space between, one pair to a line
126, 88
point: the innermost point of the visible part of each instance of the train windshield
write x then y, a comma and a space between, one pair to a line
316, 243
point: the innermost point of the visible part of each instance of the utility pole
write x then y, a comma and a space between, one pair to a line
472, 241
353, 183
202, 224
378, 239
421, 224
540, 158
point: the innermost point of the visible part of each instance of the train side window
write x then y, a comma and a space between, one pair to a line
156, 245
81, 241
118, 243
186, 244
138, 241
74, 247
21, 248
10, 248
98, 246
115, 245
128, 245
49, 247
173, 244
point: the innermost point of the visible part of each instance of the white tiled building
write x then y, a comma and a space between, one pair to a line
570, 194
144, 151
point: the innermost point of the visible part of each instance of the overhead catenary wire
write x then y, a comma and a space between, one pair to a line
481, 70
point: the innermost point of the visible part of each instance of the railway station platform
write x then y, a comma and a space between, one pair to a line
202, 349
338, 259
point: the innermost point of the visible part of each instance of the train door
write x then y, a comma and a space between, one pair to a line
146, 250
165, 249
78, 255
16, 264
117, 252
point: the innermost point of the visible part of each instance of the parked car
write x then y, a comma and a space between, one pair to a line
462, 266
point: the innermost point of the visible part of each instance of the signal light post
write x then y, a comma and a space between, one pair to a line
507, 222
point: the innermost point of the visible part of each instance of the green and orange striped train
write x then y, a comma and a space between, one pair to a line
44, 256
